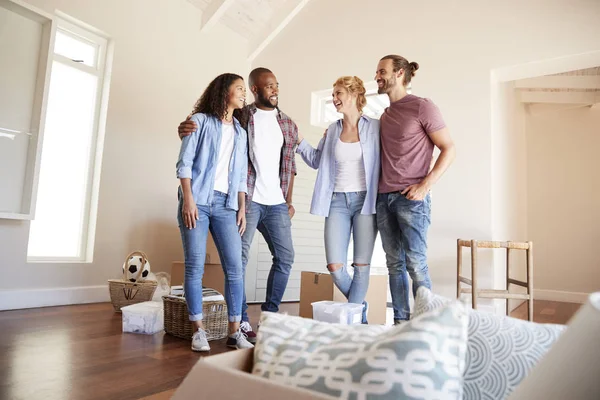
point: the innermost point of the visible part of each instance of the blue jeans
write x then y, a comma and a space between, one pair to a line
345, 219
274, 223
403, 225
224, 230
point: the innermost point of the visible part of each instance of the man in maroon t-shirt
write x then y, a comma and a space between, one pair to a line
410, 128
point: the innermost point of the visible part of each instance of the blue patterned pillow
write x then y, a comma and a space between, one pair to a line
421, 359
500, 350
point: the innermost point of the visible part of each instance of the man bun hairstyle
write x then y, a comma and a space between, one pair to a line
414, 67
401, 63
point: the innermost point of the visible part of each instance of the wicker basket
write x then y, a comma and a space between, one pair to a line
177, 321
124, 293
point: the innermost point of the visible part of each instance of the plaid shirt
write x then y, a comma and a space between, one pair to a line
287, 160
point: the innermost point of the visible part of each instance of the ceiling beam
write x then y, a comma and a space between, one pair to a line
588, 98
560, 82
279, 21
213, 13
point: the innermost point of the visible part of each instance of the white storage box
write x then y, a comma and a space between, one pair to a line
177, 290
337, 313
146, 317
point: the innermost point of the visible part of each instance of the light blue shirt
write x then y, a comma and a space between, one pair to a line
198, 158
323, 159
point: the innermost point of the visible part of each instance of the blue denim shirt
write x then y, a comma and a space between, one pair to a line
323, 159
198, 160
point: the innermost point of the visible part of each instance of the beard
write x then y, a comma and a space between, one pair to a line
264, 101
387, 85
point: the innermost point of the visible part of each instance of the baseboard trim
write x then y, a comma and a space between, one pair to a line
33, 298
559, 295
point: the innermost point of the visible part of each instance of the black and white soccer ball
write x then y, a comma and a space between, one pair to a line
133, 265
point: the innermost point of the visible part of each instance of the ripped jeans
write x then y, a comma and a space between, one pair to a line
345, 218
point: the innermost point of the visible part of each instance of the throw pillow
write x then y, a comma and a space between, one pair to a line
500, 350
421, 359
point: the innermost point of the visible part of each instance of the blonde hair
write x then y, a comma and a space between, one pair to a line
354, 85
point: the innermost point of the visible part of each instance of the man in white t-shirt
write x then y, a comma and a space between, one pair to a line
272, 137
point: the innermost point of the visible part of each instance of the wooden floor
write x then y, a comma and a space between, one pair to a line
548, 312
79, 352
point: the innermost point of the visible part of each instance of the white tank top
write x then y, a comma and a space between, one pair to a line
349, 168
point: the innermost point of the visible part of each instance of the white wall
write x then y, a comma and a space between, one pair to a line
161, 65
564, 201
457, 46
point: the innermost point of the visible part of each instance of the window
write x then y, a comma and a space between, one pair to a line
64, 224
76, 48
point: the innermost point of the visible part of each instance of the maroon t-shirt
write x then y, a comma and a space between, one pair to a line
406, 148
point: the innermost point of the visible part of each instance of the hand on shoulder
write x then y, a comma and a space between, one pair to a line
187, 127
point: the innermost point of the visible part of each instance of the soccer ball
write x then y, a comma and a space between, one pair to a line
133, 265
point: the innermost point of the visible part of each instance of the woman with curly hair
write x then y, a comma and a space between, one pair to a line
213, 167
347, 158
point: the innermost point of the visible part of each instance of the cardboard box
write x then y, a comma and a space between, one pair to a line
317, 286
213, 272
213, 276
227, 376
212, 254
166, 395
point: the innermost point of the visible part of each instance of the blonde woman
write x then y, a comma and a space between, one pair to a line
345, 193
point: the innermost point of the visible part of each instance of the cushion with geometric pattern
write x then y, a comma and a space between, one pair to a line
420, 359
500, 350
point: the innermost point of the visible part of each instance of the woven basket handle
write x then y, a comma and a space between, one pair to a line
144, 260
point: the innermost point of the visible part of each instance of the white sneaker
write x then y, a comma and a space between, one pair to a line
247, 330
239, 341
199, 342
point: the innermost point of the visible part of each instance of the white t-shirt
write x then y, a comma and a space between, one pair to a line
223, 161
349, 168
268, 141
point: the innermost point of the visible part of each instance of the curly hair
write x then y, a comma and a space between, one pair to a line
215, 97
354, 85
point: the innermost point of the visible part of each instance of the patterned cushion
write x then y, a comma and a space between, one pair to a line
500, 350
421, 359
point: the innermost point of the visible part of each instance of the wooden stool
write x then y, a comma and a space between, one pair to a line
489, 293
